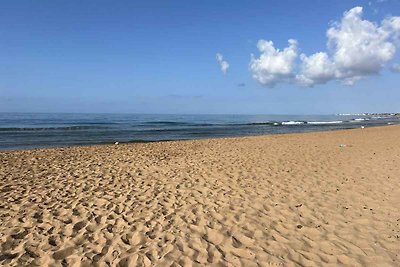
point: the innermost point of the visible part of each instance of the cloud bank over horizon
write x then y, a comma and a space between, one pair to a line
356, 49
224, 65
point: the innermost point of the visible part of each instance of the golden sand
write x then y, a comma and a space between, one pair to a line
327, 198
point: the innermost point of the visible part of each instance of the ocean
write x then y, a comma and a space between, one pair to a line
39, 130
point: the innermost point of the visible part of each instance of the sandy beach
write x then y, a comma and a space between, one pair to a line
313, 199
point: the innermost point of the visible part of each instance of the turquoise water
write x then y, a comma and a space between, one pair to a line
23, 130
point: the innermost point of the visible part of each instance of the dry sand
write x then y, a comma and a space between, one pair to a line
282, 200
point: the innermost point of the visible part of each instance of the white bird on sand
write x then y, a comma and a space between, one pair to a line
362, 127
116, 143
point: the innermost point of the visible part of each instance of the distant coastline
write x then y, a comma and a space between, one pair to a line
369, 114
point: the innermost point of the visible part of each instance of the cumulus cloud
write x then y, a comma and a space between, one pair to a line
273, 65
357, 48
392, 25
395, 68
222, 63
317, 68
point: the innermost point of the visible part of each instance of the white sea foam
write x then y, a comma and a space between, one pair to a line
292, 122
324, 122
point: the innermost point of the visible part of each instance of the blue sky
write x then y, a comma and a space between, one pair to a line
160, 57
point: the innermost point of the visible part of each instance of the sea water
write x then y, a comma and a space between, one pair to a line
25, 130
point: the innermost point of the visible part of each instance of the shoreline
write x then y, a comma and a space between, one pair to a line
182, 140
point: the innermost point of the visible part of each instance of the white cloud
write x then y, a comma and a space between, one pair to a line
392, 24
360, 47
317, 68
357, 48
395, 68
222, 63
273, 65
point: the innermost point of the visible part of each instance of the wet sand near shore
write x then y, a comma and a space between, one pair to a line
311, 199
